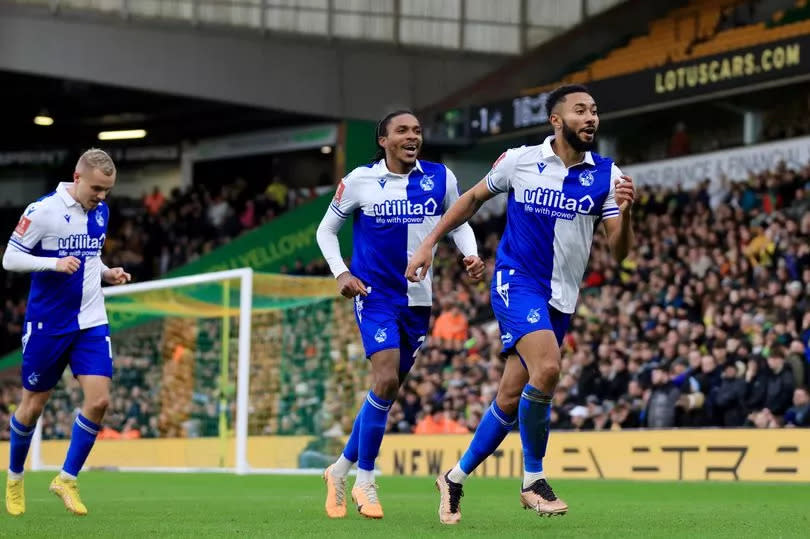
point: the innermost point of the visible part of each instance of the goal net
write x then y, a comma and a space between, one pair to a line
234, 371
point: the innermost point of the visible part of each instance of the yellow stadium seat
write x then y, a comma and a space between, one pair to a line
669, 38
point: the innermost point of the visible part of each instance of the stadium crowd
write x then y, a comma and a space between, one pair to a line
150, 237
153, 235
704, 324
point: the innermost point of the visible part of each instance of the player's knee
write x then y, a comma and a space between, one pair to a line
545, 375
99, 404
508, 402
31, 407
29, 412
386, 386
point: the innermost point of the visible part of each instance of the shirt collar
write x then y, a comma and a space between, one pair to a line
62, 191
546, 151
384, 168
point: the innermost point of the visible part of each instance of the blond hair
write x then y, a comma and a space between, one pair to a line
95, 158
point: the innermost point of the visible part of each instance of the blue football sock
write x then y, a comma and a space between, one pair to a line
372, 428
81, 442
494, 427
20, 442
353, 444
534, 412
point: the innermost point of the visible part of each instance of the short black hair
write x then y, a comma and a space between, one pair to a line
382, 125
559, 94
382, 130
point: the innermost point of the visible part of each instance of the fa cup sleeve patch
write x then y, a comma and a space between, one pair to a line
22, 226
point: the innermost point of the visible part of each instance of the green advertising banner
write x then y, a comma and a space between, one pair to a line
269, 248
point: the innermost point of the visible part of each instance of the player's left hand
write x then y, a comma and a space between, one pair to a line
116, 276
475, 267
625, 193
419, 264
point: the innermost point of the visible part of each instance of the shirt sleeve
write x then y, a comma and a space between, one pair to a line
346, 198
29, 230
463, 236
342, 205
328, 242
16, 260
609, 208
451, 192
499, 178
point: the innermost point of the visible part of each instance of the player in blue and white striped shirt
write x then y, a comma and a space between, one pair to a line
396, 201
558, 193
59, 239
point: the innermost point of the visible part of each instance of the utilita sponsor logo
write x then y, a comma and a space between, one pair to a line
404, 210
542, 200
81, 242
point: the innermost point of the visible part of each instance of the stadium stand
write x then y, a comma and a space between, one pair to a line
642, 352
702, 28
149, 243
705, 324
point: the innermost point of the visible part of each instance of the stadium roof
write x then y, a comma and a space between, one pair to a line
81, 110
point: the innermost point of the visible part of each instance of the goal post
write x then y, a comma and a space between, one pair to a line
245, 278
219, 368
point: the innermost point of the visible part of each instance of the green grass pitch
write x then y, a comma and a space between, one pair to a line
216, 505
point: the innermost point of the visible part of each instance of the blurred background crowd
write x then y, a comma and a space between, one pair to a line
706, 323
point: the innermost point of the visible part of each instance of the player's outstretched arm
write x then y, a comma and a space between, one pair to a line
620, 230
460, 212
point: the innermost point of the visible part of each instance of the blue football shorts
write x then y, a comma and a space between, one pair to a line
522, 307
384, 325
87, 351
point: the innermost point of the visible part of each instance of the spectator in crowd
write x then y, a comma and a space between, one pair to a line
729, 400
218, 211
679, 143
248, 216
451, 328
622, 416
436, 420
799, 414
779, 384
154, 201
580, 419
277, 193
762, 419
662, 400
